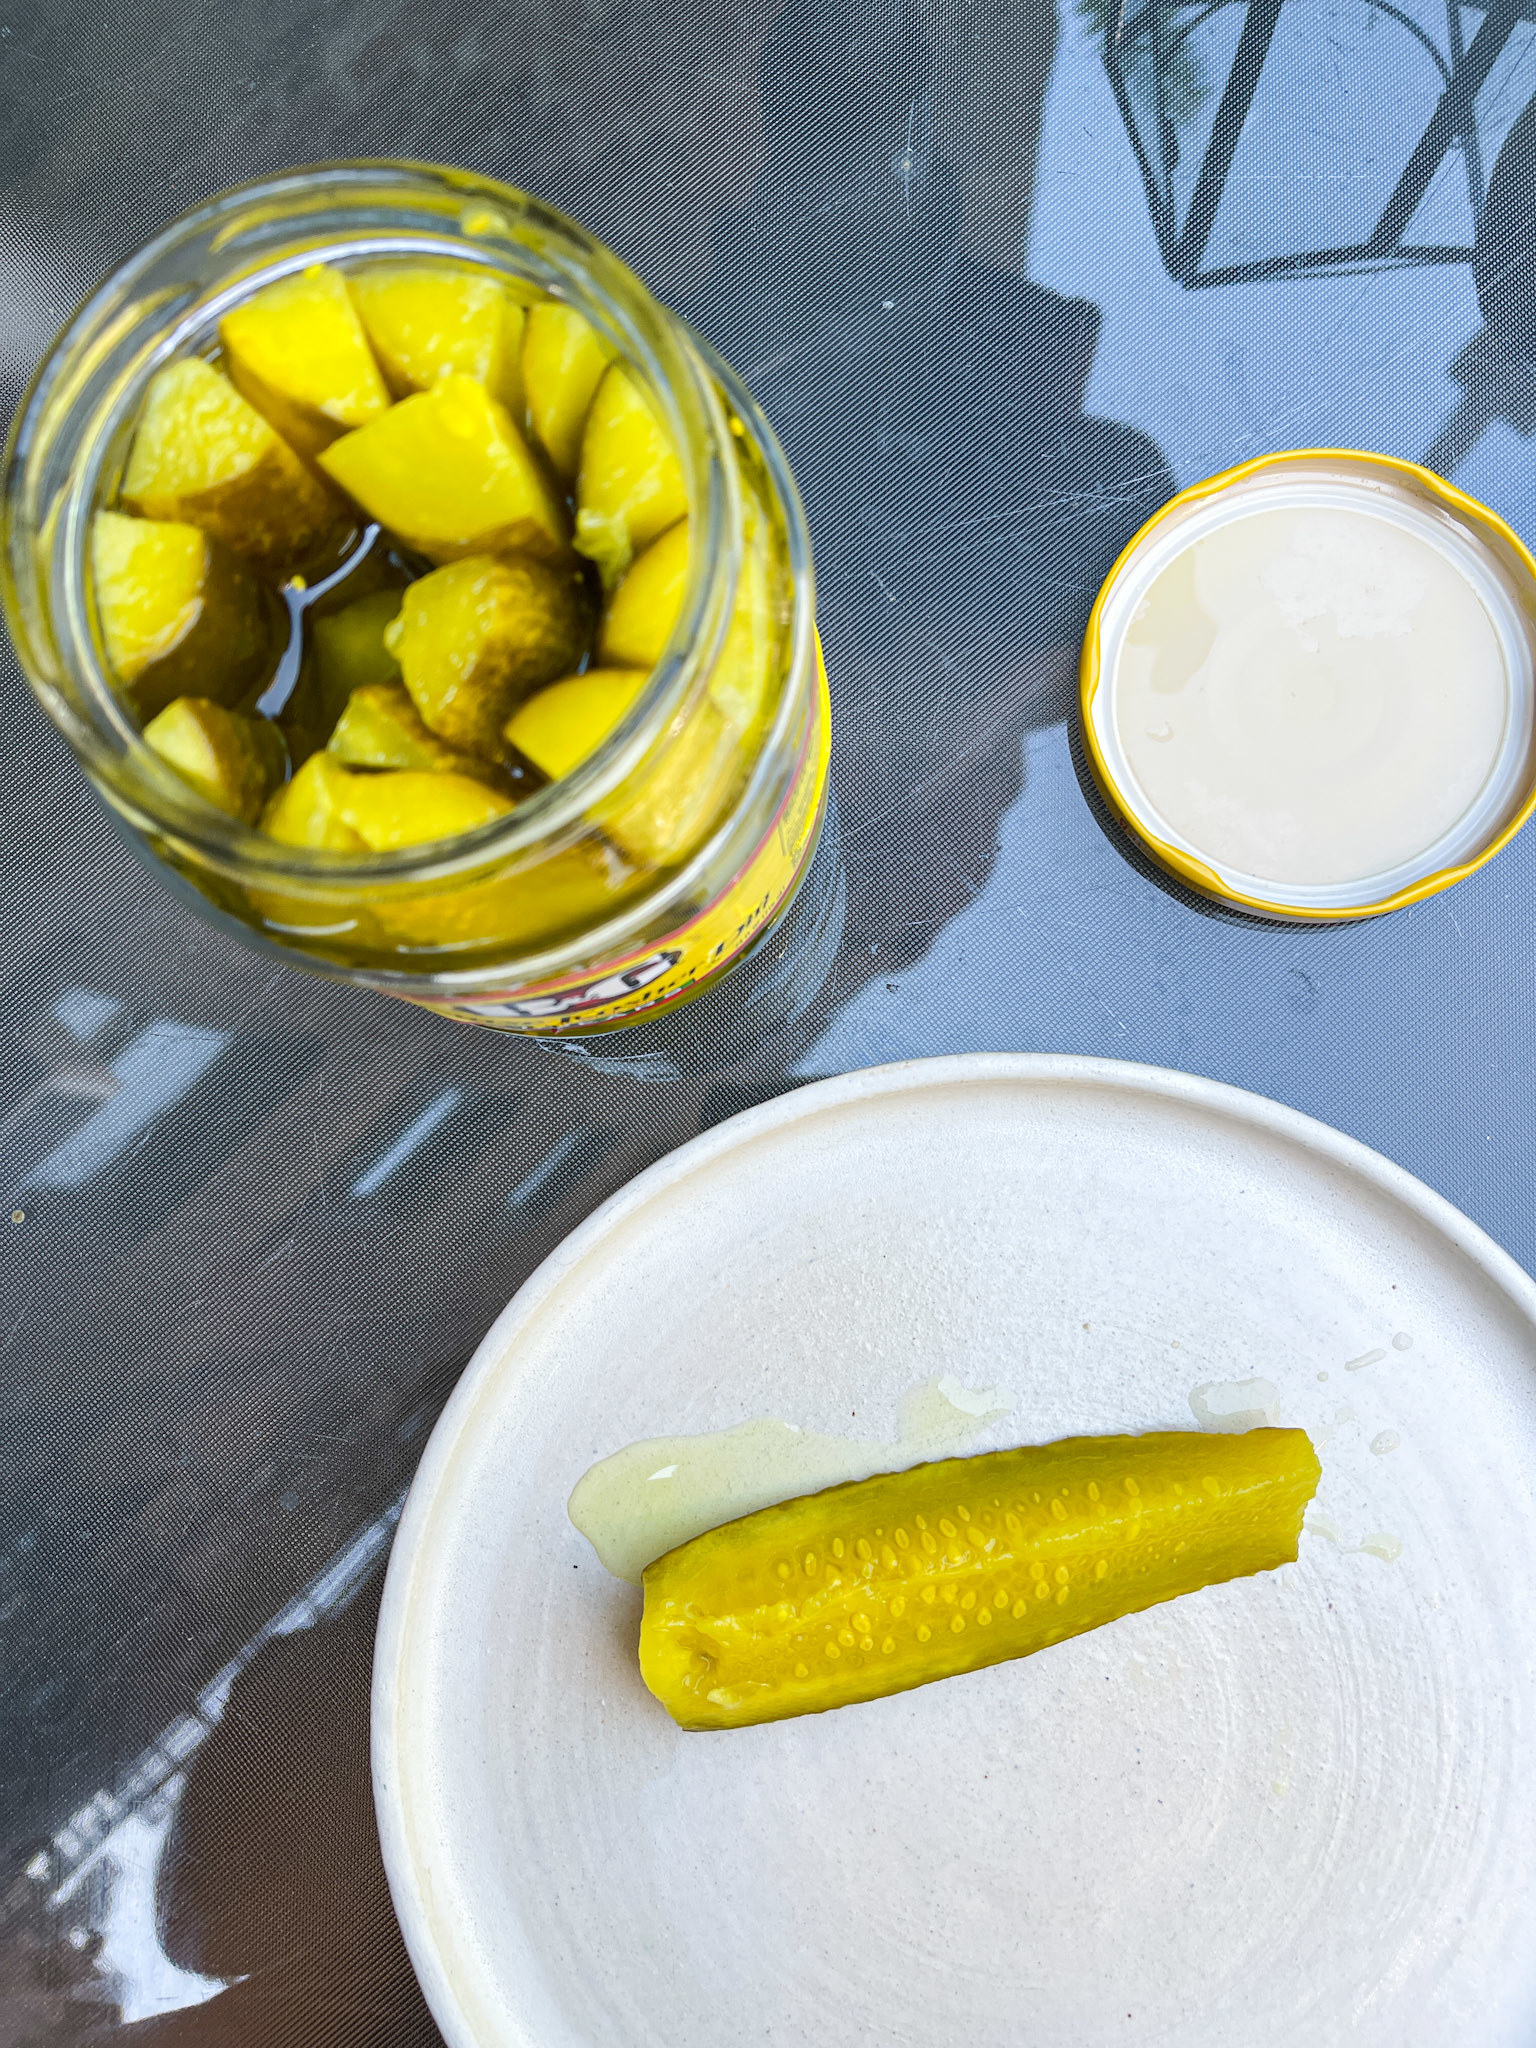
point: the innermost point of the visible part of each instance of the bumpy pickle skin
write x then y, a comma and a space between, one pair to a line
475, 637
630, 486
298, 351
430, 320
231, 759
564, 358
180, 615
449, 474
888, 1583
644, 608
204, 456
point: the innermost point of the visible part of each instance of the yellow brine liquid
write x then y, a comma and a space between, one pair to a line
1315, 694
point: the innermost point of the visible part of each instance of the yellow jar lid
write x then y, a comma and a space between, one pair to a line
1497, 569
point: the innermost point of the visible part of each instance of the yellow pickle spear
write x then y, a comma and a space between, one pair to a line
888, 1583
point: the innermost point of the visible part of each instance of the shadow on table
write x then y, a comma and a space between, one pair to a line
272, 1874
964, 503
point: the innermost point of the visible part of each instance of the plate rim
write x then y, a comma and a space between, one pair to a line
894, 1080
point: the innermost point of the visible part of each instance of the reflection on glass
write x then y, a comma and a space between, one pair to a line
153, 1072
410, 1140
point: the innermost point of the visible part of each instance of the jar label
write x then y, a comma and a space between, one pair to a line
620, 990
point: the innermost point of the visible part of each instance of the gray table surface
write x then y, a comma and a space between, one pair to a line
260, 1222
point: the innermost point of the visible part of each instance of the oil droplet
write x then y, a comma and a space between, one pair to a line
1160, 733
1402, 1341
1366, 1358
727, 1473
1322, 1376
1344, 1413
1235, 1405
1386, 1547
1385, 1440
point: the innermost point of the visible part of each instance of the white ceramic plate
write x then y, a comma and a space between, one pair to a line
1296, 1809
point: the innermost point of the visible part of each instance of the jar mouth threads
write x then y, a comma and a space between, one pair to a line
65, 461
1308, 685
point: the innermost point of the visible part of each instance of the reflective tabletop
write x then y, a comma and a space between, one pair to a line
1003, 279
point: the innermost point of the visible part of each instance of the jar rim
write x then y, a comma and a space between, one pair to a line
46, 528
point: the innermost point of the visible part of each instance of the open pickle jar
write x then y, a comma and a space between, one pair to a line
425, 599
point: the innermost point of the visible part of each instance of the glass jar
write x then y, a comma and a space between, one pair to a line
621, 889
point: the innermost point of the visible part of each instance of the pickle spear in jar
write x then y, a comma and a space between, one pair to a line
449, 474
298, 352
476, 636
232, 760
564, 358
875, 1587
630, 487
178, 612
204, 456
430, 320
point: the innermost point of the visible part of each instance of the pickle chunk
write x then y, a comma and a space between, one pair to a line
562, 725
298, 352
430, 320
564, 358
630, 488
228, 758
475, 637
349, 646
381, 728
644, 608
204, 456
309, 811
449, 474
406, 808
179, 613
889, 1583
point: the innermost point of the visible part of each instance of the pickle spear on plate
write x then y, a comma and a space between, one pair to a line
888, 1583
